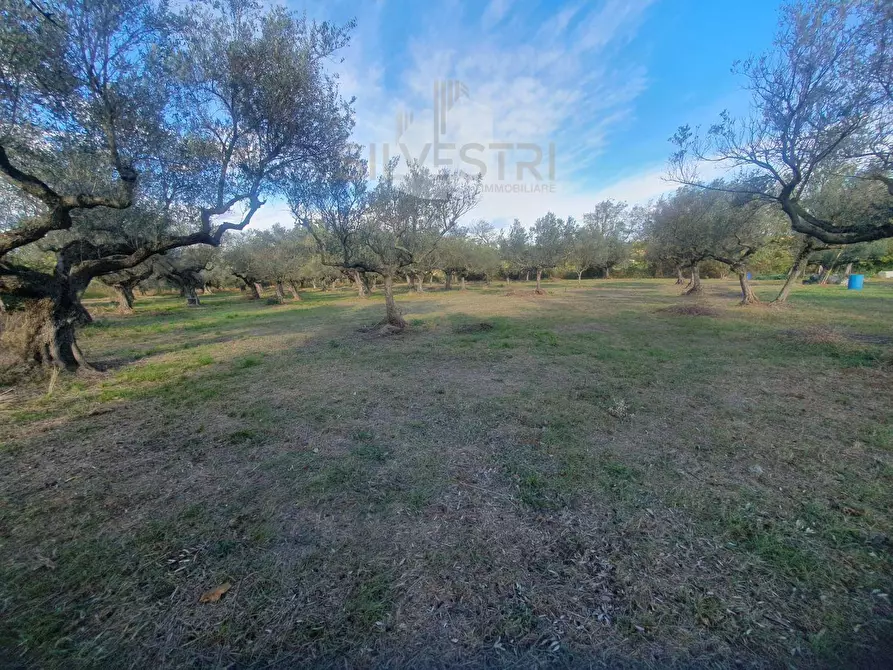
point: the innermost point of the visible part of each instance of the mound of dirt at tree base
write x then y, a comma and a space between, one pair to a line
690, 310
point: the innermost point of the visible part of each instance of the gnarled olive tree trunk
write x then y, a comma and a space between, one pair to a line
295, 293
393, 315
362, 288
680, 278
800, 261
748, 297
191, 296
44, 332
696, 287
124, 298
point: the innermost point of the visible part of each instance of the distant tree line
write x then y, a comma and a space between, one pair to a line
138, 140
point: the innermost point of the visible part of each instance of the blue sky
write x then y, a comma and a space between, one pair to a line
605, 82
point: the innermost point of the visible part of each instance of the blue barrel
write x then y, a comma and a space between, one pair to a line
855, 283
749, 276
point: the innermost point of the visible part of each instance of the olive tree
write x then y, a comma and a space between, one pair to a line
185, 269
242, 257
609, 226
76, 98
124, 282
675, 232
585, 251
514, 248
390, 229
550, 244
820, 103
118, 112
737, 227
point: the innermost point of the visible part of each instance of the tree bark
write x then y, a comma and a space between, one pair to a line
191, 297
448, 283
849, 270
680, 278
124, 298
252, 289
462, 286
420, 283
607, 272
539, 276
796, 270
696, 287
280, 292
361, 286
580, 276
293, 288
748, 297
527, 276
393, 315
408, 281
50, 332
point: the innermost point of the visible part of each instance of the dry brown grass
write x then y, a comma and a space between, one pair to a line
816, 335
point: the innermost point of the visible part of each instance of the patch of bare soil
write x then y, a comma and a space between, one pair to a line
690, 310
468, 328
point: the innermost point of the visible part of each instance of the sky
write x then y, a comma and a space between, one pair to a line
585, 92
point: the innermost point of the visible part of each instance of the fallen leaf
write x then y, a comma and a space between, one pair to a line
214, 595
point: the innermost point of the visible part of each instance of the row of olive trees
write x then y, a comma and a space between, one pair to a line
133, 129
409, 226
816, 147
695, 225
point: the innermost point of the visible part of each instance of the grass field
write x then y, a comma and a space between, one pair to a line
611, 474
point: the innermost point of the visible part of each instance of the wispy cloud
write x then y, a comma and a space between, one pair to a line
495, 12
568, 80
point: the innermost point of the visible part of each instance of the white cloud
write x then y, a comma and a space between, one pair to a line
557, 84
649, 184
566, 81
